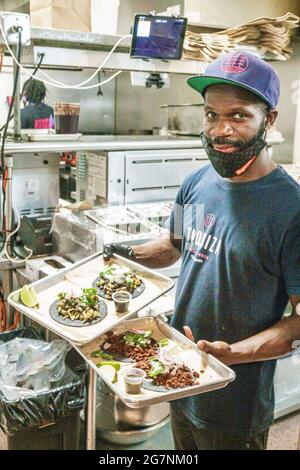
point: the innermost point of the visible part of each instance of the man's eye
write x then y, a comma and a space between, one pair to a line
210, 115
239, 116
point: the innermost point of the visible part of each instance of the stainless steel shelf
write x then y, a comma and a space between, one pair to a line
79, 40
105, 143
110, 144
88, 50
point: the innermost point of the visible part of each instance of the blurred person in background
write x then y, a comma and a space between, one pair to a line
36, 114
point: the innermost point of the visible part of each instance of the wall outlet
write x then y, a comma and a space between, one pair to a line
10, 22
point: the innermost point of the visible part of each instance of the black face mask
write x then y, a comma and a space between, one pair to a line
229, 164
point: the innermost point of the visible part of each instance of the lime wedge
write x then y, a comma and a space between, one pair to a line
110, 369
34, 296
28, 296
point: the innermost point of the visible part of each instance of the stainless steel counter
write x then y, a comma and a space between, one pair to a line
109, 143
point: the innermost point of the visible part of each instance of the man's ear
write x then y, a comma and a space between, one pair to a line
271, 118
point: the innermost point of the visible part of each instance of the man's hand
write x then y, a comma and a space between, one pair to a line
119, 249
218, 349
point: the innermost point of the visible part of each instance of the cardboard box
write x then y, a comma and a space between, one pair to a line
74, 15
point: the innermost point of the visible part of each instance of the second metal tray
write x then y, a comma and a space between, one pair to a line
216, 375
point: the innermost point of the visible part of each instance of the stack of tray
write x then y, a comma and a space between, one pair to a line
87, 339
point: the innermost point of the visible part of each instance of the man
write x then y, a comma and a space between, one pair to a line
241, 264
36, 114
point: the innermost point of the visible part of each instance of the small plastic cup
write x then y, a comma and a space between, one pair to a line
133, 379
121, 299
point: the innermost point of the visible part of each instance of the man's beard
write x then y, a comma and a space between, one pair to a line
233, 164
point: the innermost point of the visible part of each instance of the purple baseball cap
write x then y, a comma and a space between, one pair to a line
242, 69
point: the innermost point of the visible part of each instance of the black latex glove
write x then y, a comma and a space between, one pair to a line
119, 249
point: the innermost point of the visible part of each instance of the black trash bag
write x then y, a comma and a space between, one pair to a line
44, 409
65, 397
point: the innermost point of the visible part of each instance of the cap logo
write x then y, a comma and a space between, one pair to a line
237, 63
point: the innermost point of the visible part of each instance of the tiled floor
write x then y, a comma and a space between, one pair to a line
284, 435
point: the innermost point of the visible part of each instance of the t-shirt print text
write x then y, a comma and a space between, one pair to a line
201, 245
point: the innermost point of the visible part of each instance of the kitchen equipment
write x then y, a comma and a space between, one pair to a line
34, 232
214, 375
35, 183
83, 274
130, 437
125, 177
156, 212
184, 119
122, 221
138, 418
119, 424
287, 384
43, 266
75, 236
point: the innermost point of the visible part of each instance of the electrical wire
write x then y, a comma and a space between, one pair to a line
80, 85
3, 317
91, 87
7, 243
54, 83
16, 322
33, 74
12, 101
3, 171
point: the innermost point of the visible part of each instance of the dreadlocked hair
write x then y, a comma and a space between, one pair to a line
35, 91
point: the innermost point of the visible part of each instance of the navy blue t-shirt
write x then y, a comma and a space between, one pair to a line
37, 116
240, 263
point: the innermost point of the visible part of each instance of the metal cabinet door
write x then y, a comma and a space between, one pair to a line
36, 183
158, 175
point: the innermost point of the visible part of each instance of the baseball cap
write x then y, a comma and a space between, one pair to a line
242, 69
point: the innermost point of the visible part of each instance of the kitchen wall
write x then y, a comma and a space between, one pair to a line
97, 115
288, 73
21, 6
128, 8
139, 107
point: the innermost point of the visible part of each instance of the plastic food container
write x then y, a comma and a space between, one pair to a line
122, 300
133, 379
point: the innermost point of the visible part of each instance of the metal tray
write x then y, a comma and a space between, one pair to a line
82, 274
216, 375
32, 137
